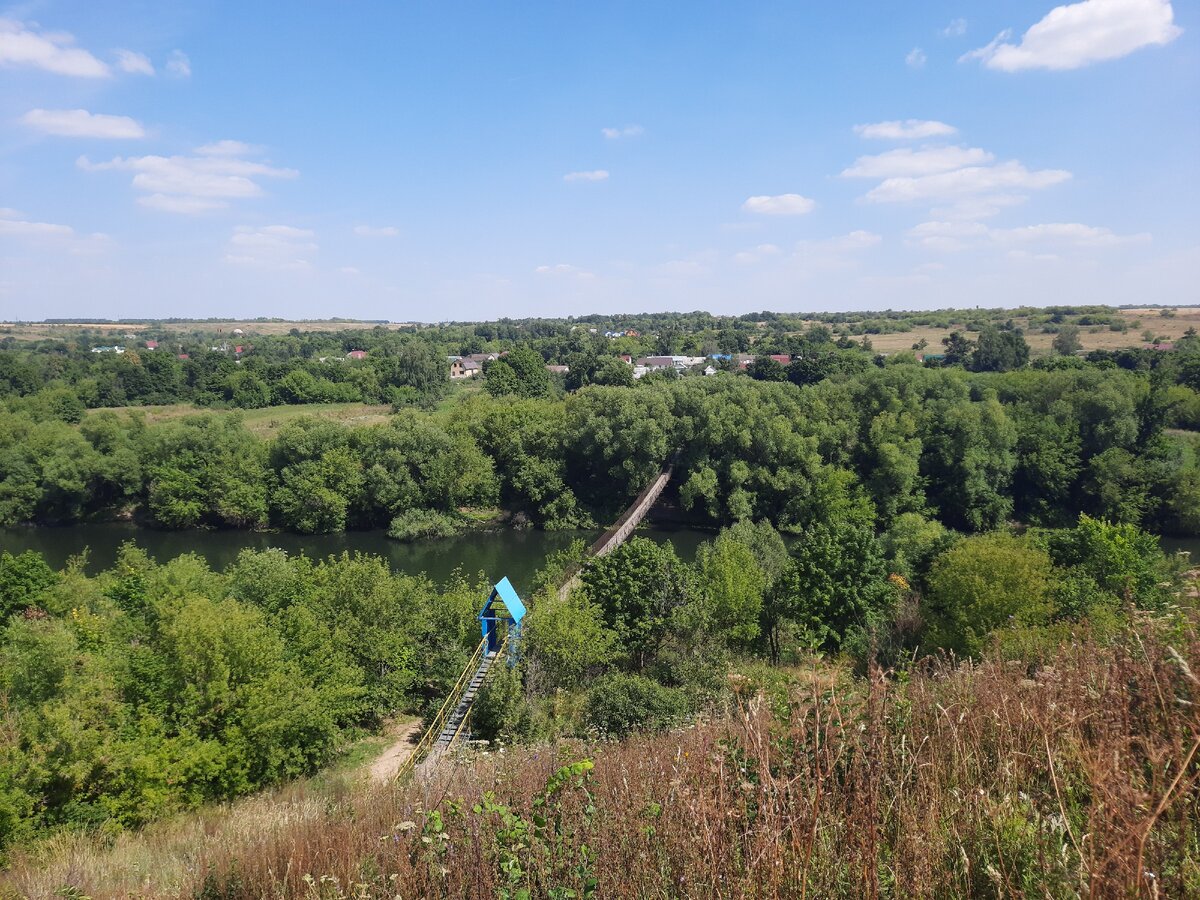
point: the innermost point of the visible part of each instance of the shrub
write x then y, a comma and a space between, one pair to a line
415, 524
619, 704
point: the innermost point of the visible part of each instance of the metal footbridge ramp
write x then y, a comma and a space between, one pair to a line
500, 621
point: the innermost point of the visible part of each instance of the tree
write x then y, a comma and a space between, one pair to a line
837, 581
1000, 350
639, 586
1066, 342
23, 578
521, 372
984, 583
763, 368
958, 349
734, 585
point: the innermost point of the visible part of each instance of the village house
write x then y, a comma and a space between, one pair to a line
151, 345
558, 370
357, 354
464, 368
113, 349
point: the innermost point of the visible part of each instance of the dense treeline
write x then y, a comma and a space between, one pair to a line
154, 688
971, 450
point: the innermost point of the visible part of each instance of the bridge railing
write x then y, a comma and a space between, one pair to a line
443, 714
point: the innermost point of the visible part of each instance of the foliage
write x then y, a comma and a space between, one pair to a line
983, 583
620, 703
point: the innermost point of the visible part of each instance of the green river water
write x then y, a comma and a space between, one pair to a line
517, 554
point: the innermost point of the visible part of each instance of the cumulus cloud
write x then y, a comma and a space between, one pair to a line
134, 63
54, 237
228, 148
593, 175
191, 184
956, 28
81, 123
779, 205
905, 130
272, 247
971, 181
178, 65
615, 134
916, 58
22, 45
950, 236
12, 225
372, 231
1080, 34
905, 161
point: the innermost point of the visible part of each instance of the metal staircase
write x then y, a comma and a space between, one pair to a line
452, 721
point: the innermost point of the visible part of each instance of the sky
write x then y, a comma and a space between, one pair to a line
462, 161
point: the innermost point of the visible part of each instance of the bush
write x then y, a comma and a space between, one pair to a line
619, 704
415, 524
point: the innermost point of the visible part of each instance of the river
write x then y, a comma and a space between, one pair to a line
517, 554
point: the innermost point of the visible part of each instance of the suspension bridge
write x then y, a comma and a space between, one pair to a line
500, 623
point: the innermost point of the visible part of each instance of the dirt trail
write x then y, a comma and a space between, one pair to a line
404, 741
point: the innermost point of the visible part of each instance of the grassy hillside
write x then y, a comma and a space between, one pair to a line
1071, 776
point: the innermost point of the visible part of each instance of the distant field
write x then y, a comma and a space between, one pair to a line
266, 422
1092, 338
35, 331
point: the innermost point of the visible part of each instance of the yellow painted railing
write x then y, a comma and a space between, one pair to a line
448, 706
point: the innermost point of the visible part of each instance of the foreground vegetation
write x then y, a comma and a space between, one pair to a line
934, 647
1076, 774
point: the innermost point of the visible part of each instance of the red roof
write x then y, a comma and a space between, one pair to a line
357, 354
151, 345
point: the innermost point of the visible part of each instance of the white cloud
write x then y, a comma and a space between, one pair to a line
846, 243
228, 148
614, 134
905, 130
349, 270
49, 51
966, 182
916, 58
779, 205
178, 65
371, 231
563, 269
81, 123
956, 28
134, 63
593, 175
1079, 34
904, 161
272, 247
49, 235
946, 236
756, 254
182, 204
13, 226
191, 184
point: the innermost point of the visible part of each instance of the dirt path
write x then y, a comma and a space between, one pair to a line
403, 741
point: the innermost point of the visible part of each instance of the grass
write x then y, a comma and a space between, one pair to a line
1077, 775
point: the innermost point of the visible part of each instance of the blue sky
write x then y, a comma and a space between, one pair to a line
444, 161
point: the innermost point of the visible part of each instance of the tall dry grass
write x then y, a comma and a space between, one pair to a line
1076, 777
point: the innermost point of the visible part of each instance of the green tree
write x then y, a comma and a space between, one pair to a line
983, 583
1066, 342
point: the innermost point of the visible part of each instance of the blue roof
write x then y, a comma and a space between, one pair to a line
507, 593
